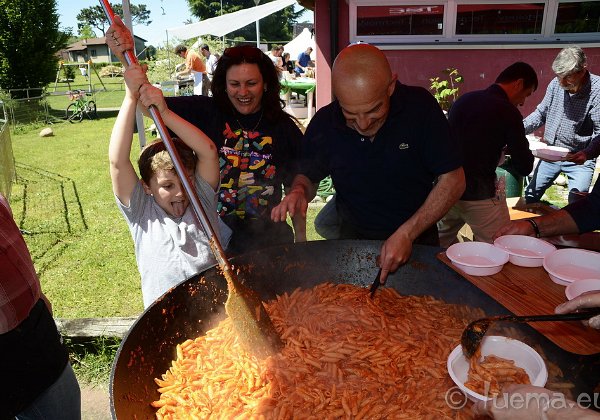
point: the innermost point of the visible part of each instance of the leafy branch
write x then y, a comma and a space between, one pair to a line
445, 90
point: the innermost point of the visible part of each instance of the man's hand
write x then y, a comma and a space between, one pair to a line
587, 300
135, 77
515, 227
578, 158
150, 95
294, 202
516, 402
119, 39
395, 251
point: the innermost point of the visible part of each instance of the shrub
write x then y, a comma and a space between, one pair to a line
446, 90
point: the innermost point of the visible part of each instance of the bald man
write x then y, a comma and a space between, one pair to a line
388, 149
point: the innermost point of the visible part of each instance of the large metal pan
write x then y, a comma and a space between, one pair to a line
195, 305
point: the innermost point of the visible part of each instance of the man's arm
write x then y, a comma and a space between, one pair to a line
578, 217
557, 223
593, 149
538, 117
397, 248
122, 173
518, 146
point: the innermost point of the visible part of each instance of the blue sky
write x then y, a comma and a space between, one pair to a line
175, 13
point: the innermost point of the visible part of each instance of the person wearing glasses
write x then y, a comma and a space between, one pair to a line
258, 142
570, 112
387, 146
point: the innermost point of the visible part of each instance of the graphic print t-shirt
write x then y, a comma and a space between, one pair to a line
247, 173
257, 156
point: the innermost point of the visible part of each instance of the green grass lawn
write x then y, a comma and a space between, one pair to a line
80, 244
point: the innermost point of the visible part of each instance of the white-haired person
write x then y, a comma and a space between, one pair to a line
570, 114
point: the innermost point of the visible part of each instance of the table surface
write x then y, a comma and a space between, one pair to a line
530, 291
302, 83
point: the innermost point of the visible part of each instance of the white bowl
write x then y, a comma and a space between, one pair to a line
524, 251
552, 153
507, 348
477, 258
580, 287
564, 266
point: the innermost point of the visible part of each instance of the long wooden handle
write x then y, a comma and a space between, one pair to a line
199, 212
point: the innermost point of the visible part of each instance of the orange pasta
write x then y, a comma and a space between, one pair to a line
490, 375
345, 356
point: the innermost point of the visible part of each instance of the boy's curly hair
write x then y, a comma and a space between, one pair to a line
154, 158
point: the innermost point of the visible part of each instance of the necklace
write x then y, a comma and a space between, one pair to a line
254, 128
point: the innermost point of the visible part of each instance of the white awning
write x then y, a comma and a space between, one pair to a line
300, 44
222, 25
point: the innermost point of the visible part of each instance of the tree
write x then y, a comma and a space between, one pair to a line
94, 16
29, 40
86, 32
276, 27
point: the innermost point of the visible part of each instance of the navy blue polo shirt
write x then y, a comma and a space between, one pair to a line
381, 184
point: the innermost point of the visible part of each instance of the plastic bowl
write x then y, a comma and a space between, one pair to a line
555, 151
524, 251
580, 287
564, 266
477, 258
507, 348
551, 153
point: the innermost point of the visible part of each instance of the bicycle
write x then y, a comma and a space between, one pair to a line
81, 106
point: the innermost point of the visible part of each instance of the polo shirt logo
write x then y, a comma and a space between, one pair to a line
403, 146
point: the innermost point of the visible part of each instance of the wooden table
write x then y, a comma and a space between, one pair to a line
529, 291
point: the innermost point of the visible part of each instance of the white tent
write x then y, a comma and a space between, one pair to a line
300, 44
222, 25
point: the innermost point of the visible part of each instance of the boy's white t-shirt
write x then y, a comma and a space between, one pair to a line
168, 250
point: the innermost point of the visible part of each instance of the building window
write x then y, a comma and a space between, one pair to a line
473, 21
578, 17
93, 53
479, 19
400, 20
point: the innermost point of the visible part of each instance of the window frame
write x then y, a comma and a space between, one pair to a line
449, 35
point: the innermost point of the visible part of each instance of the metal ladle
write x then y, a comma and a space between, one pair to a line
473, 334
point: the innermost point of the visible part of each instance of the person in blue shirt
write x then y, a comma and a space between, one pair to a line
570, 112
303, 61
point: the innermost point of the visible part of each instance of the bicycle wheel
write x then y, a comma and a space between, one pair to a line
90, 110
74, 113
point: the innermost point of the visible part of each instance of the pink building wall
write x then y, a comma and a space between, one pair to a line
479, 67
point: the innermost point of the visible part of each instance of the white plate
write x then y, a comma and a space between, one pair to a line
507, 348
477, 258
551, 153
524, 251
582, 286
568, 265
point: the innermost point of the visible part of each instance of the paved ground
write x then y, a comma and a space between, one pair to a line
95, 403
